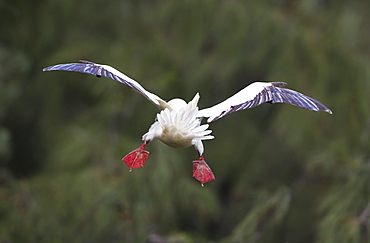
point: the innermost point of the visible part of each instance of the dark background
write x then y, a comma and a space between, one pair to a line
283, 174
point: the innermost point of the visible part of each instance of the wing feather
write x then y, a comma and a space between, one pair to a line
109, 72
258, 93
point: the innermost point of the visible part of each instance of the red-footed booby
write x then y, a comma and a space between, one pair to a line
178, 124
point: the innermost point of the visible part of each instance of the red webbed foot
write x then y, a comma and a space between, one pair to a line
136, 158
201, 171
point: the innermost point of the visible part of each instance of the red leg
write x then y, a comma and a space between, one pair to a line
136, 158
201, 171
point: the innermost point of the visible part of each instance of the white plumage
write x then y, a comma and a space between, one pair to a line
178, 124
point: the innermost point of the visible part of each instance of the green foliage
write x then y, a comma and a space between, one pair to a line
283, 174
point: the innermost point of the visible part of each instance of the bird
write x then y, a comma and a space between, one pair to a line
179, 123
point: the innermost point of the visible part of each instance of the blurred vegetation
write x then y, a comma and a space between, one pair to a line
283, 174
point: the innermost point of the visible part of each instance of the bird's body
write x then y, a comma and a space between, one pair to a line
178, 124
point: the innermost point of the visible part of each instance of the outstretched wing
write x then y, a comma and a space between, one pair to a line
107, 71
258, 93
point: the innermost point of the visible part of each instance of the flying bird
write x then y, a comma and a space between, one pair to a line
178, 123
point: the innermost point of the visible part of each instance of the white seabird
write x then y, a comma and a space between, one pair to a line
178, 124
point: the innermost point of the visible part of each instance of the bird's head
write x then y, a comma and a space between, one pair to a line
177, 104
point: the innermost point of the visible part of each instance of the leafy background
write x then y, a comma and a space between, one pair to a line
283, 174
